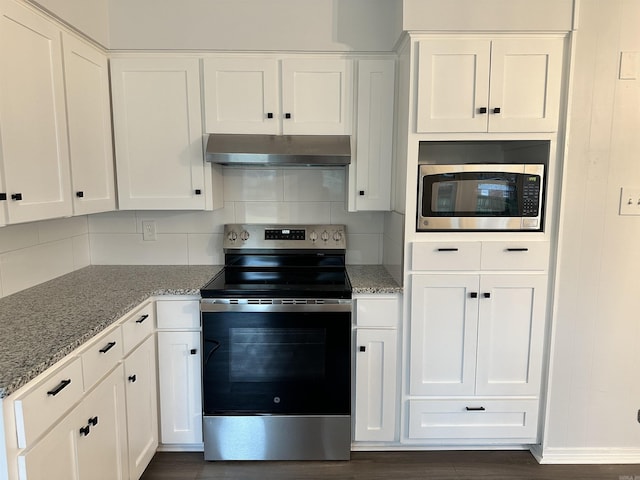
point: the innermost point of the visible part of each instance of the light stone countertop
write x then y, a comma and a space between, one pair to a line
43, 324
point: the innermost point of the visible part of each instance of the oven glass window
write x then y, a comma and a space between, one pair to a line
276, 362
276, 354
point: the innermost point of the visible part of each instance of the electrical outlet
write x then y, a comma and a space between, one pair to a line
148, 230
630, 201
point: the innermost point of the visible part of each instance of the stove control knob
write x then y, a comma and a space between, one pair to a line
313, 236
324, 236
337, 236
232, 236
244, 235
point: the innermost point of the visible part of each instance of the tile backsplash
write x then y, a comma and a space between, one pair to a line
36, 252
251, 195
33, 253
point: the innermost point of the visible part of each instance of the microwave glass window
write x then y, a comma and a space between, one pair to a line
483, 195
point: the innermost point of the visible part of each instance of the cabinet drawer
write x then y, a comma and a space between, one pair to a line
473, 419
101, 355
178, 314
136, 326
46, 401
446, 256
515, 255
377, 311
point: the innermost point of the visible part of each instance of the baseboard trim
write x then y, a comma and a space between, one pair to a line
586, 455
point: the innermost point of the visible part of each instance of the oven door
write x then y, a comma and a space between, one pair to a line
285, 359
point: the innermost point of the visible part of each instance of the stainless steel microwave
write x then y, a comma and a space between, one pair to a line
482, 197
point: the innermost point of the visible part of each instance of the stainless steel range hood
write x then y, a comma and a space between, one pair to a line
279, 150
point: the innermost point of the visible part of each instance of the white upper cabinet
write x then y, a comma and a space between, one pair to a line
489, 85
158, 133
89, 122
370, 169
277, 96
33, 130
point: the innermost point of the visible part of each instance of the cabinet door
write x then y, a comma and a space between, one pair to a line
102, 451
54, 456
33, 126
443, 331
510, 334
316, 96
453, 85
179, 366
89, 121
88, 444
241, 95
371, 168
376, 363
158, 133
142, 408
526, 79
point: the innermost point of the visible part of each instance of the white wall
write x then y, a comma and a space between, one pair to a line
595, 375
491, 15
289, 195
33, 253
293, 25
90, 17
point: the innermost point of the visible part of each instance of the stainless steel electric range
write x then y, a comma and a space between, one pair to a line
276, 331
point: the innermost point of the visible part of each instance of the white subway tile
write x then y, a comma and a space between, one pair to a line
14, 237
205, 249
113, 222
30, 266
357, 222
187, 222
283, 212
364, 249
81, 252
51, 230
314, 184
131, 249
252, 184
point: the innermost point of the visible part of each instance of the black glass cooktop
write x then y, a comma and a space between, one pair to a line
280, 276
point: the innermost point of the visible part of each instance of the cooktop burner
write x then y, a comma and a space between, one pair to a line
266, 261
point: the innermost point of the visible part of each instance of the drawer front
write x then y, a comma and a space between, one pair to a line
47, 400
182, 314
100, 356
137, 326
474, 419
515, 256
377, 311
446, 256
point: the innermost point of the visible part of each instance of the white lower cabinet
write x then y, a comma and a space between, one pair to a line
88, 444
179, 364
476, 341
142, 408
92, 416
376, 362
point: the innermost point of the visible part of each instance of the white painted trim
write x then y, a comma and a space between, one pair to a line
600, 455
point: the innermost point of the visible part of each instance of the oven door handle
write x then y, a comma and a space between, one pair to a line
216, 346
209, 305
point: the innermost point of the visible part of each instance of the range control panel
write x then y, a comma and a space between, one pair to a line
285, 236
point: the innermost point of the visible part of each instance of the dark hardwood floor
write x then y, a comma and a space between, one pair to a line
432, 465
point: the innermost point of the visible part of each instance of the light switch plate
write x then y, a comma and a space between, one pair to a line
630, 201
629, 65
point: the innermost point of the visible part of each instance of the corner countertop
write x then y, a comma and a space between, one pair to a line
43, 324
